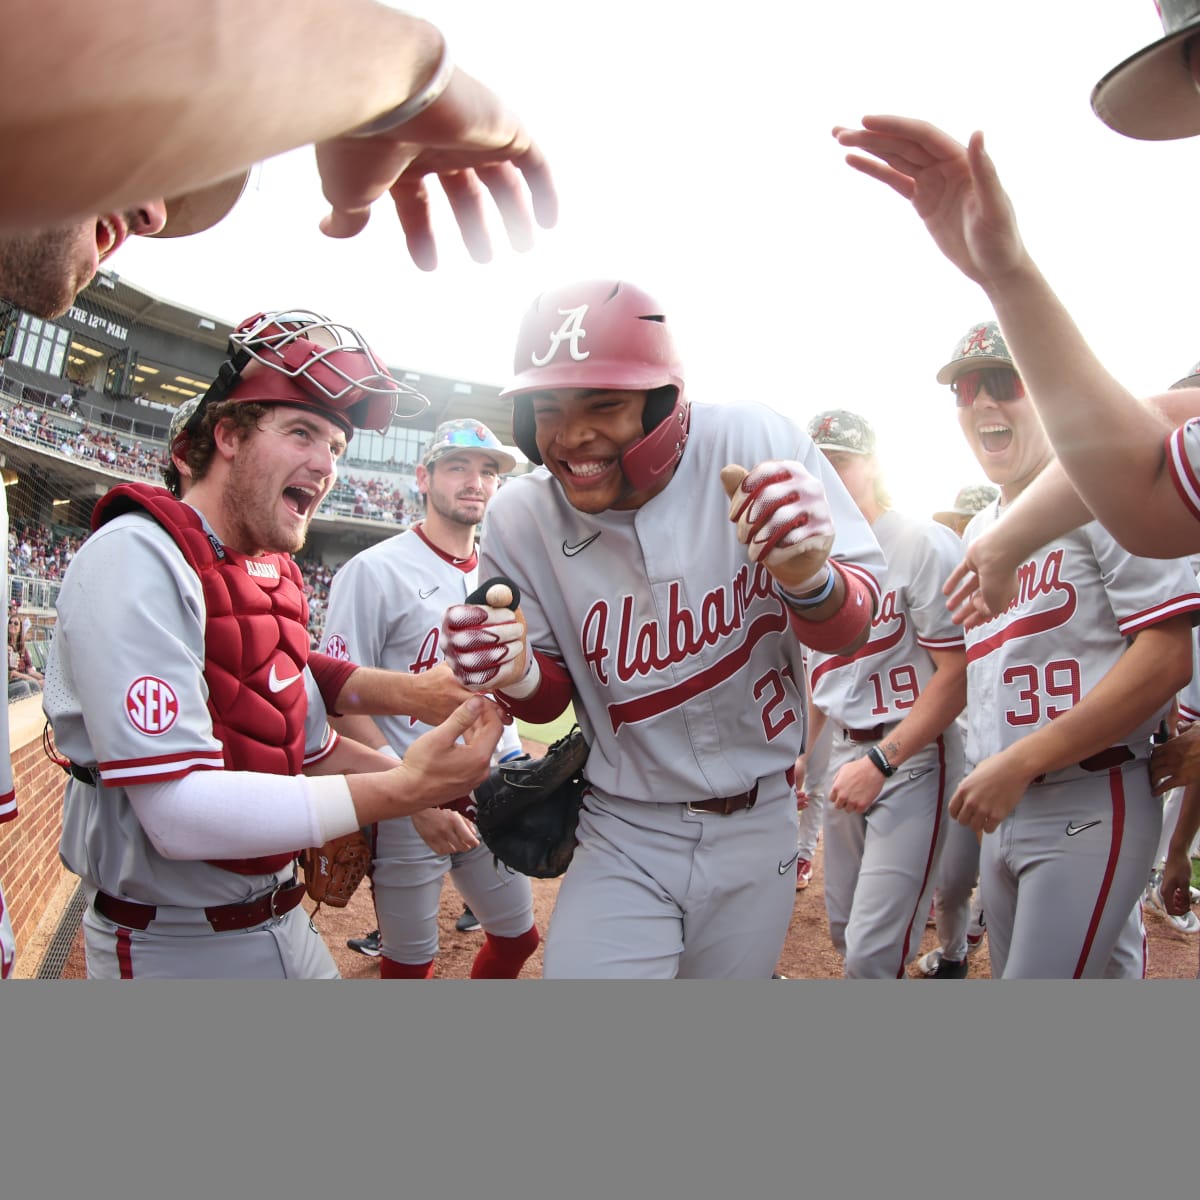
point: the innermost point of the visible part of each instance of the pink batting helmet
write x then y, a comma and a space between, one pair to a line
604, 333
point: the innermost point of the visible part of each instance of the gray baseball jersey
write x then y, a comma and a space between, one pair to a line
687, 685
385, 610
1061, 874
879, 865
680, 650
126, 695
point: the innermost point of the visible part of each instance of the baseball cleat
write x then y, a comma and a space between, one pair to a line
1152, 896
934, 966
368, 944
468, 922
804, 870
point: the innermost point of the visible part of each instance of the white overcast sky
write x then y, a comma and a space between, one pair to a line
691, 147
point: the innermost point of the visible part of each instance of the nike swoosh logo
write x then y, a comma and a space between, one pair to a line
918, 772
278, 685
570, 551
426, 594
785, 867
1073, 829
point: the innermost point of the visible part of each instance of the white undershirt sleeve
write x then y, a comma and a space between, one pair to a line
242, 814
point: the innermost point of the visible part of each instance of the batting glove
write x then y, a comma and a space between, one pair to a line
783, 519
484, 646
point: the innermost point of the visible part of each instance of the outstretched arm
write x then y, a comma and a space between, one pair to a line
159, 98
1110, 444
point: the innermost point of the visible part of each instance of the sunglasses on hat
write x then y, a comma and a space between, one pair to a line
1002, 383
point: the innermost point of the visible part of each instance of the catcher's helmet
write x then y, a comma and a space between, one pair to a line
304, 360
604, 333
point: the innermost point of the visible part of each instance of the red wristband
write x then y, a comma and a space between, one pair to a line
835, 633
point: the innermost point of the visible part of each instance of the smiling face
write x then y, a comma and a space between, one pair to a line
1007, 439
581, 434
42, 272
458, 487
273, 479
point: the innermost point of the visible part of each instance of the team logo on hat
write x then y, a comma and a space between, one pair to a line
983, 345
837, 429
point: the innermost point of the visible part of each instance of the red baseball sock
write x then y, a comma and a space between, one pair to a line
389, 968
503, 957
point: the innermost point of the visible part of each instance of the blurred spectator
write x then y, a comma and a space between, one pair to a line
23, 678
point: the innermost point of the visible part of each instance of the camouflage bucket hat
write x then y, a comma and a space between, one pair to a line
970, 500
983, 345
837, 429
182, 415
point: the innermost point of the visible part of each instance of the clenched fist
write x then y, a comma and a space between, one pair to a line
782, 518
484, 640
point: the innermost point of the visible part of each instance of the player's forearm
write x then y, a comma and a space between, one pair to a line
205, 814
1187, 823
1047, 509
940, 701
360, 729
1144, 680
430, 696
146, 98
1109, 443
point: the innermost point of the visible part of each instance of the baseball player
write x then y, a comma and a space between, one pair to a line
385, 610
666, 591
346, 687
1065, 689
895, 749
957, 910
186, 806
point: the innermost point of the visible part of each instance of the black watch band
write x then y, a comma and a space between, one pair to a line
877, 756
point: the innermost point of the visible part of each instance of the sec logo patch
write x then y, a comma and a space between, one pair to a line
151, 705
336, 647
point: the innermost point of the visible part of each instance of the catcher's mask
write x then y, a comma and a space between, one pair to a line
604, 333
304, 360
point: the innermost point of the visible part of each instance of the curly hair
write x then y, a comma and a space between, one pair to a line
201, 445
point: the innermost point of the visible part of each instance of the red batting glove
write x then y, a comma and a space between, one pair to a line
484, 646
783, 519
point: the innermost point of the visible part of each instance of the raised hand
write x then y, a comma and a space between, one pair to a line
954, 189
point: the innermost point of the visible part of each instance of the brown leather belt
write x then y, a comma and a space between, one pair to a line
1114, 756
1106, 760
222, 917
724, 805
865, 735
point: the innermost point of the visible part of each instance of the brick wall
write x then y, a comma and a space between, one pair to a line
29, 868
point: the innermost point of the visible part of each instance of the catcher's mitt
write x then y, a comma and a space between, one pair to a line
527, 808
333, 871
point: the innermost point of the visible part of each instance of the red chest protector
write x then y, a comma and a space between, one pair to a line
255, 645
